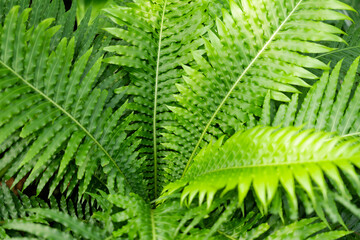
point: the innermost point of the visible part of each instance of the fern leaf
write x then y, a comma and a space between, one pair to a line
14, 206
266, 111
328, 98
312, 103
303, 229
265, 158
69, 222
48, 112
37, 229
158, 38
331, 104
141, 221
252, 52
342, 97
138, 221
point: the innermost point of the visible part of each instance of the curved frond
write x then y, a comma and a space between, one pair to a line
258, 46
54, 122
267, 160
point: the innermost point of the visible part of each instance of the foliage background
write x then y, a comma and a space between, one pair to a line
95, 204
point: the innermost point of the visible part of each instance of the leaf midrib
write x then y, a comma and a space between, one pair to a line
153, 224
68, 115
155, 99
235, 84
279, 164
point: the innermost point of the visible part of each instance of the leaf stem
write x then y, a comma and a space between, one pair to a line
153, 224
155, 99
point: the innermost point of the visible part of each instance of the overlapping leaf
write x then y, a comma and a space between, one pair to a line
54, 123
129, 217
303, 229
258, 46
331, 105
347, 52
157, 39
15, 207
267, 159
62, 127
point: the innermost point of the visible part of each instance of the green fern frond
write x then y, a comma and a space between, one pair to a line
263, 159
39, 230
331, 104
57, 111
157, 39
142, 221
303, 229
85, 35
95, 122
129, 217
42, 10
258, 46
351, 214
79, 228
15, 206
20, 211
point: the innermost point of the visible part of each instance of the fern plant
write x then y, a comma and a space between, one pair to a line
190, 119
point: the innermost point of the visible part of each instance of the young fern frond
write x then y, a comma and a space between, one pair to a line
252, 52
57, 111
263, 159
158, 38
